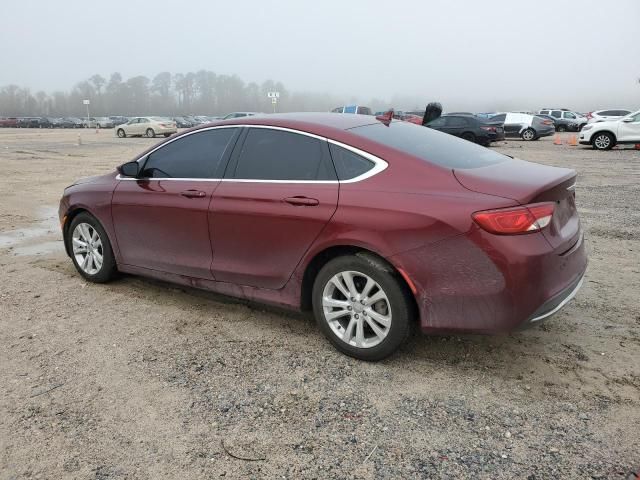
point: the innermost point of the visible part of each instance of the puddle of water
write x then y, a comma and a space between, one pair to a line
47, 225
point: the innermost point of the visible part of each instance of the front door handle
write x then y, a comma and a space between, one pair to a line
302, 201
193, 193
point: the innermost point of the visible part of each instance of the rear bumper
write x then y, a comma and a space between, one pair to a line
483, 283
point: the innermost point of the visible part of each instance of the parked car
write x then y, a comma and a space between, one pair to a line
469, 127
182, 122
8, 122
525, 126
64, 123
359, 109
562, 124
118, 120
606, 135
47, 122
147, 126
75, 121
28, 122
606, 115
104, 122
239, 115
371, 225
566, 120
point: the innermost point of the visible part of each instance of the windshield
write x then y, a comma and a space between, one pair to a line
430, 145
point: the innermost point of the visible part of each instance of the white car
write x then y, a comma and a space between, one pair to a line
606, 135
606, 115
147, 126
566, 118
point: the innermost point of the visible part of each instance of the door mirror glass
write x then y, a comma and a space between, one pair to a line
129, 169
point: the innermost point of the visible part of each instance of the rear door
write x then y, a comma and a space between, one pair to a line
279, 192
161, 218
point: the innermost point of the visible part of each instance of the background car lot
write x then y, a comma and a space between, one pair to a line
153, 377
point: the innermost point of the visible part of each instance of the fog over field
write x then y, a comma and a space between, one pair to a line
477, 56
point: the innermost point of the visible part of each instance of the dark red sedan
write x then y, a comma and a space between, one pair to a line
374, 225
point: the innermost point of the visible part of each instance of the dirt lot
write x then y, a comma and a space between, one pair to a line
138, 379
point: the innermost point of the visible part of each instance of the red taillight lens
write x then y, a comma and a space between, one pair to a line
489, 129
547, 122
515, 220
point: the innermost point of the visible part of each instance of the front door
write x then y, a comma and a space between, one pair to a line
161, 218
630, 131
279, 192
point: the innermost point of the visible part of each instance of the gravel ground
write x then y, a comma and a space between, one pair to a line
142, 380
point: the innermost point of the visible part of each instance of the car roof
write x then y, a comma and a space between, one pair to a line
308, 121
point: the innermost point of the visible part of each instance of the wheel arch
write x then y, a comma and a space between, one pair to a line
323, 257
595, 134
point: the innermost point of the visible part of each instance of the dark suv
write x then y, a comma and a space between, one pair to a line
469, 127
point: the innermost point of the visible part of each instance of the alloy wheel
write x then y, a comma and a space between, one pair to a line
87, 248
602, 142
357, 309
528, 134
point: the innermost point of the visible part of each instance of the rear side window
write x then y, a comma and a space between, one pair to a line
349, 164
498, 118
193, 156
430, 145
456, 122
544, 112
364, 110
556, 113
278, 155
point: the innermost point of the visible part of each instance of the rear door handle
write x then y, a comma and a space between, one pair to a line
193, 193
302, 201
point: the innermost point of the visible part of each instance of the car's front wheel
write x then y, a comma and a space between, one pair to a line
90, 249
528, 135
150, 133
603, 141
362, 307
121, 133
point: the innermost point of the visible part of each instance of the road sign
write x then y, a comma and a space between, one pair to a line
86, 102
274, 100
273, 95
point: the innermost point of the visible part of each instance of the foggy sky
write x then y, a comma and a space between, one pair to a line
471, 55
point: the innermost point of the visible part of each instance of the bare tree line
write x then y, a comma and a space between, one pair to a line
203, 92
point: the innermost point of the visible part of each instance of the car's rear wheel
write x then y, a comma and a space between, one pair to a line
90, 249
167, 135
121, 133
150, 133
362, 306
528, 135
469, 137
561, 128
603, 141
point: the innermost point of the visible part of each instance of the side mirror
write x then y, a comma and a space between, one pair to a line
129, 169
627, 120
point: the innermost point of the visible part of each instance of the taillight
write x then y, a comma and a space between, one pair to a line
589, 115
547, 122
488, 129
516, 220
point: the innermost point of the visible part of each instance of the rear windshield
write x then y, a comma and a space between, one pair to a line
430, 145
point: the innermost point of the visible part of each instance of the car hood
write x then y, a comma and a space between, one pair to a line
96, 179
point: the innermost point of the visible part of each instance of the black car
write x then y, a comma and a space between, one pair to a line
561, 124
75, 122
118, 120
182, 122
64, 123
469, 127
29, 122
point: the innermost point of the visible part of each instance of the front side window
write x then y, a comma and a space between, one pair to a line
569, 115
278, 155
437, 123
350, 109
348, 164
192, 156
132, 121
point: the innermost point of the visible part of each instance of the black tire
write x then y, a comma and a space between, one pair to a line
561, 128
469, 137
528, 135
603, 141
121, 133
166, 135
400, 303
108, 270
150, 133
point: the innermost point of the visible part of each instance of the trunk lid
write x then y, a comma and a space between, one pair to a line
527, 182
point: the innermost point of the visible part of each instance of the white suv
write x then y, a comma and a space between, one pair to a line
606, 115
606, 135
566, 117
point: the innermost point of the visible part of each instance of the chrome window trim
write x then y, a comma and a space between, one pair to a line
379, 164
